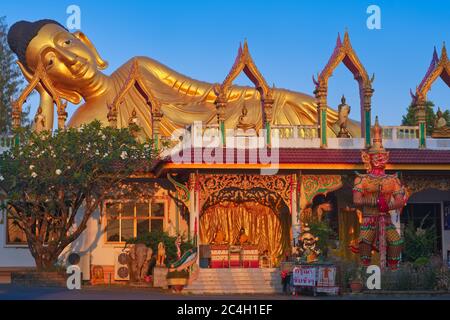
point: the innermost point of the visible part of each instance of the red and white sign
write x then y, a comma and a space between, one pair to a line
304, 276
326, 277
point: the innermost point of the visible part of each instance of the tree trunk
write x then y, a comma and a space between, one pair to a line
45, 261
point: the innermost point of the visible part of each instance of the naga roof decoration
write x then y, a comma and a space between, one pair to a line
244, 62
439, 67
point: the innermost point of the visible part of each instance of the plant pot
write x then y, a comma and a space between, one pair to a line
177, 284
356, 286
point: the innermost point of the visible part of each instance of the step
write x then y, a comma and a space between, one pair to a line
236, 280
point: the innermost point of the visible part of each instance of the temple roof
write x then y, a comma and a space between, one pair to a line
320, 159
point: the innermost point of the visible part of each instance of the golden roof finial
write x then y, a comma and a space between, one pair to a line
377, 146
444, 56
346, 38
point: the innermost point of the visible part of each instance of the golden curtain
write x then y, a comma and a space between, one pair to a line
348, 233
261, 225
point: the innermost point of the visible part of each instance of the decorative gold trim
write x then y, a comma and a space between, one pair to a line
416, 184
244, 62
438, 68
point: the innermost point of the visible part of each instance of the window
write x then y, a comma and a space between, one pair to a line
14, 235
125, 220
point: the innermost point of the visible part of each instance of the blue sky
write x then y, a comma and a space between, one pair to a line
289, 40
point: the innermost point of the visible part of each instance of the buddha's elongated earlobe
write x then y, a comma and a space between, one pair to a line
102, 64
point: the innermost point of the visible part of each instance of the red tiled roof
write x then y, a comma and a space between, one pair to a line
349, 156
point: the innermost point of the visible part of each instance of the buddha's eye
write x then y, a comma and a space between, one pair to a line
68, 42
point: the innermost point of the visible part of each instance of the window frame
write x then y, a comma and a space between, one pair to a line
8, 244
134, 218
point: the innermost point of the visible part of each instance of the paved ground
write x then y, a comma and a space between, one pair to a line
9, 292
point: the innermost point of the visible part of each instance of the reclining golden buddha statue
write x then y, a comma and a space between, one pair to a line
73, 65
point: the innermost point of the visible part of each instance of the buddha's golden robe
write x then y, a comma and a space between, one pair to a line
184, 100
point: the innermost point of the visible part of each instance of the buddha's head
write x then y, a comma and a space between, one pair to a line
70, 59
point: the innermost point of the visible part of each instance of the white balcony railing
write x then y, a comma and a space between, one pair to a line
400, 132
295, 132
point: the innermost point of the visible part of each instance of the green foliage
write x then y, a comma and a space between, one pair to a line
49, 177
411, 277
410, 118
10, 81
324, 232
419, 243
153, 238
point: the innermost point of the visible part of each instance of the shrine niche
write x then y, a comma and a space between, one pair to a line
439, 67
244, 63
135, 80
41, 82
344, 53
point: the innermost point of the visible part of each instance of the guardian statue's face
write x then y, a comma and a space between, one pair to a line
69, 59
379, 160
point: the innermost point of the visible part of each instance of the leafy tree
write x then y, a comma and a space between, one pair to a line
10, 81
410, 118
54, 183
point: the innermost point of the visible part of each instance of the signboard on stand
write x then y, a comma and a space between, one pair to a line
326, 276
304, 276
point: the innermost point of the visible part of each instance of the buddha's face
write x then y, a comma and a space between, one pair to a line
70, 59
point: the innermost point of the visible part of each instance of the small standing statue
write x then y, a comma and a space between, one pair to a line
378, 193
343, 112
178, 246
161, 257
308, 242
441, 129
39, 121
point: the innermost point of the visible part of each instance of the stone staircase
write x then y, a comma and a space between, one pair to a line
236, 281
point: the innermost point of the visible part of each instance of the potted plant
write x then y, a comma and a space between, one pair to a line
356, 282
177, 280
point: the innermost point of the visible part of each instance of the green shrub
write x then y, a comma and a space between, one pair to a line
419, 242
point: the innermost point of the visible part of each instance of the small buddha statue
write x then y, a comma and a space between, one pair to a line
242, 237
134, 120
441, 129
343, 112
219, 237
244, 122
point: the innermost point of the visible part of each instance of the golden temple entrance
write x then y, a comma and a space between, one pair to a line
245, 220
247, 224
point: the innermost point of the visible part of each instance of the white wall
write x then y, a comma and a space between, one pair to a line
90, 245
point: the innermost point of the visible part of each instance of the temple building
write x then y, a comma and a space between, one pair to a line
252, 164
